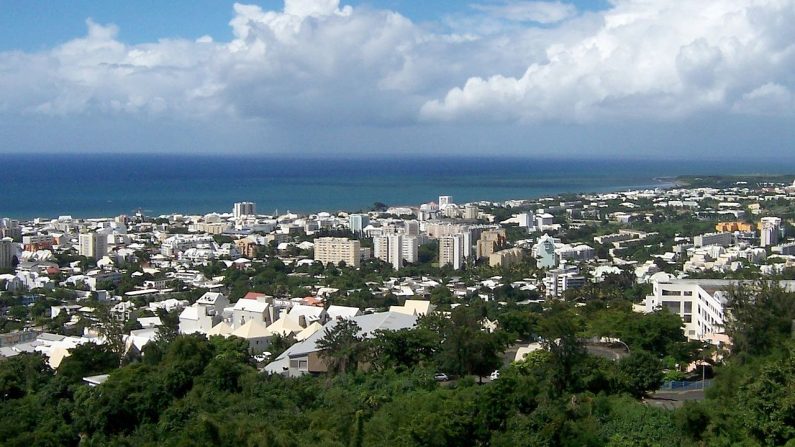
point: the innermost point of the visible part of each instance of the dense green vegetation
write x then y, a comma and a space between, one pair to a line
188, 390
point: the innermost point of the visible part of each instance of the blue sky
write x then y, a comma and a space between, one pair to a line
37, 25
630, 78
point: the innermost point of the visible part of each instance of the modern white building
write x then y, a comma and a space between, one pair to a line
562, 279
445, 201
769, 231
204, 314
358, 222
93, 245
700, 304
452, 251
722, 239
244, 209
544, 252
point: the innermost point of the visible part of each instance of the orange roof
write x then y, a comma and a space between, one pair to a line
254, 295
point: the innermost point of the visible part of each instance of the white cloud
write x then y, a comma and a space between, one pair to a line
318, 63
528, 11
650, 59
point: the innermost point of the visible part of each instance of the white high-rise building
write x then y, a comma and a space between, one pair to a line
451, 251
244, 209
357, 222
769, 231
396, 248
411, 248
7, 250
444, 201
93, 245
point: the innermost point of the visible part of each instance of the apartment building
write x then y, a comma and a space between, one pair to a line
336, 249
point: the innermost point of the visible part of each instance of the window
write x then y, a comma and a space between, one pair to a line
672, 306
688, 307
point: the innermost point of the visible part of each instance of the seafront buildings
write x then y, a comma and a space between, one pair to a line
550, 248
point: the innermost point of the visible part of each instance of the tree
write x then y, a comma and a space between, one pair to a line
640, 372
558, 329
767, 402
759, 317
403, 349
88, 359
23, 374
341, 346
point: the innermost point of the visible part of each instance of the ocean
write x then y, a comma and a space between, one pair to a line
99, 185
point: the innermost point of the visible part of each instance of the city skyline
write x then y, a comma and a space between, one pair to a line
624, 78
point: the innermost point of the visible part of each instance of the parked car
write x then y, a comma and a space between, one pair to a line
441, 377
495, 375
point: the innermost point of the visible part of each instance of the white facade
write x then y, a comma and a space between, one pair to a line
396, 248
358, 222
451, 251
722, 239
769, 231
544, 252
699, 303
560, 280
444, 201
93, 245
244, 209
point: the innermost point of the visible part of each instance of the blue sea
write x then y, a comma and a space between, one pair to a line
100, 185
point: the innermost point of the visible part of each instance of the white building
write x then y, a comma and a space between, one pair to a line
93, 245
452, 251
204, 314
700, 304
358, 222
769, 231
562, 279
544, 252
396, 248
244, 209
722, 239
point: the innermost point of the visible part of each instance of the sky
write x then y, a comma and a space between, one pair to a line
621, 78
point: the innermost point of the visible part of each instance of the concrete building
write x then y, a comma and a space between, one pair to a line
544, 252
38, 242
769, 231
785, 249
357, 222
471, 212
580, 252
451, 251
396, 248
93, 245
722, 239
731, 227
335, 250
7, 252
700, 304
445, 201
10, 228
506, 258
559, 280
244, 209
204, 314
491, 241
